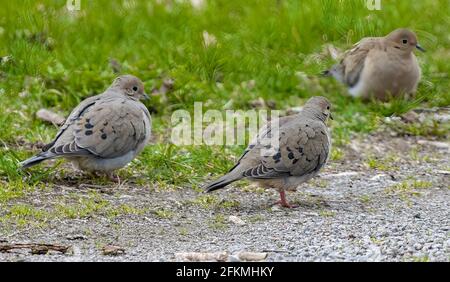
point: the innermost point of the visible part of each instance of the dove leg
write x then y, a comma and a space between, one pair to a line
283, 202
113, 177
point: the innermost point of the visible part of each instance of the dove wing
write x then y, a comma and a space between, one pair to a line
256, 144
303, 149
111, 128
74, 115
352, 63
107, 128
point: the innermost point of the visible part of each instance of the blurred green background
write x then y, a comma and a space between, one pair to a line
233, 54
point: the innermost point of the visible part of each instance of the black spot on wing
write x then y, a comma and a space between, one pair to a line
88, 132
277, 156
49, 145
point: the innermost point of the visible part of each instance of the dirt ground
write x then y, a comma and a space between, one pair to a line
390, 206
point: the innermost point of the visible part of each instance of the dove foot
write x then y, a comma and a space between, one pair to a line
113, 178
110, 175
283, 202
286, 205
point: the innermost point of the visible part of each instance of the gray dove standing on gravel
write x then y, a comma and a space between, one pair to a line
303, 148
104, 132
380, 67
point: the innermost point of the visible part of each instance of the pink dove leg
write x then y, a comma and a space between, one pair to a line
283, 202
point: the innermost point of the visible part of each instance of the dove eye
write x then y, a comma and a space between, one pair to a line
135, 88
404, 41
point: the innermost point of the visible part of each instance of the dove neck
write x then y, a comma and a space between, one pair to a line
114, 88
116, 92
402, 54
313, 113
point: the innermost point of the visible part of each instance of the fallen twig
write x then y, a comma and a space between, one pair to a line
36, 249
197, 256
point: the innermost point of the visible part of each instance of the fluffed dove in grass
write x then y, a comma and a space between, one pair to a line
303, 149
104, 132
380, 67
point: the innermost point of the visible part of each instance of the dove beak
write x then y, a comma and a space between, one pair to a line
146, 97
420, 48
331, 117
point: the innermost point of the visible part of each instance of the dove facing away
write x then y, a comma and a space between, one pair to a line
104, 132
286, 153
380, 67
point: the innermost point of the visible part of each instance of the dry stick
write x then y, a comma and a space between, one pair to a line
35, 248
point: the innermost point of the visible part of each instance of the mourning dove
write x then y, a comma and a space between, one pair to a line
380, 67
104, 132
302, 150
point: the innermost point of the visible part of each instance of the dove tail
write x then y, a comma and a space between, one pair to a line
34, 160
222, 182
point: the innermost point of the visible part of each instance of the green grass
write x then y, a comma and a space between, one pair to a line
408, 188
428, 128
383, 163
73, 207
218, 222
423, 258
24, 214
163, 213
55, 59
326, 213
365, 199
212, 201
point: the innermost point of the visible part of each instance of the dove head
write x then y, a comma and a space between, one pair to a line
130, 86
404, 40
319, 107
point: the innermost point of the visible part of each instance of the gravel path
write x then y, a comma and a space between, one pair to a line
352, 212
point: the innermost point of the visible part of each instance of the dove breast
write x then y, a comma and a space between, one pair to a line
394, 75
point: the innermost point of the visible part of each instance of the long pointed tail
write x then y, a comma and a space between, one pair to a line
222, 182
33, 160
